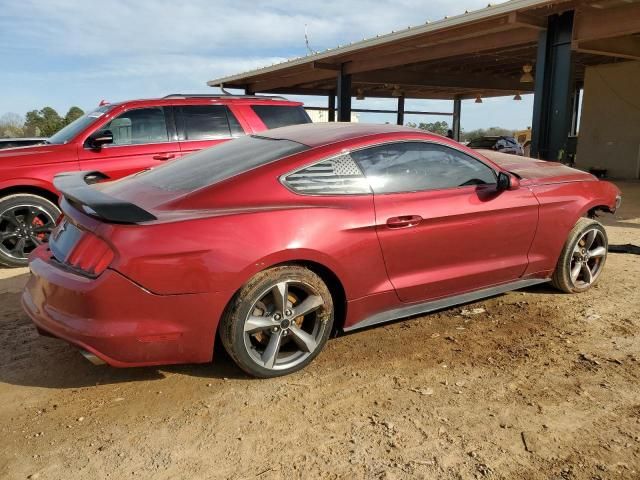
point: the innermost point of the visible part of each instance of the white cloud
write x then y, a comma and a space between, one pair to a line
123, 27
66, 52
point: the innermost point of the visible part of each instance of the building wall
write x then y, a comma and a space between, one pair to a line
609, 134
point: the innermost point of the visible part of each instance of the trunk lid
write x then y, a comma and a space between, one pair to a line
78, 189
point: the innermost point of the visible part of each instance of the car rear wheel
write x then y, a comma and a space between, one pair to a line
582, 258
25, 223
278, 322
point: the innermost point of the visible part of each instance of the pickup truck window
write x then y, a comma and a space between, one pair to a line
139, 126
207, 122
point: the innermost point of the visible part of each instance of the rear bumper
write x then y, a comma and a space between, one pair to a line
117, 320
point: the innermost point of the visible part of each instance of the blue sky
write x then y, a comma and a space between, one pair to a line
77, 52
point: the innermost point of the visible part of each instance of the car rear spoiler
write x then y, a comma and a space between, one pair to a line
76, 188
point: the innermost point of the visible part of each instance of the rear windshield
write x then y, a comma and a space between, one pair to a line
482, 142
274, 116
219, 163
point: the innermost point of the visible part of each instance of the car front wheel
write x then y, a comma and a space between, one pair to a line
25, 223
582, 258
278, 322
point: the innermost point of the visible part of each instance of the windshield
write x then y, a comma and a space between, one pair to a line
218, 163
74, 128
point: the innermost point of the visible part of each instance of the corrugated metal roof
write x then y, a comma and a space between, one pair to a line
429, 27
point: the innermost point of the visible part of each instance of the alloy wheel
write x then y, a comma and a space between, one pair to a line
22, 229
588, 258
285, 325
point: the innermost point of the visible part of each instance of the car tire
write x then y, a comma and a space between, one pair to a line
268, 336
583, 257
25, 221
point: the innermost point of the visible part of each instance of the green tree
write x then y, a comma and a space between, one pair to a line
52, 121
11, 125
73, 114
440, 128
44, 122
47, 121
33, 124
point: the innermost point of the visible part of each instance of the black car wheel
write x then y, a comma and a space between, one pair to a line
25, 222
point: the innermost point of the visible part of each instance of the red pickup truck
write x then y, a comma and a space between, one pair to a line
119, 139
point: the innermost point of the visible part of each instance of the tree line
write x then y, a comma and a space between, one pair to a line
36, 123
442, 127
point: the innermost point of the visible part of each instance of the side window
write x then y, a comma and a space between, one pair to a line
135, 127
334, 176
208, 122
234, 125
274, 116
416, 166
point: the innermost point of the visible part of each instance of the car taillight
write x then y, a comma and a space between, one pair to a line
91, 255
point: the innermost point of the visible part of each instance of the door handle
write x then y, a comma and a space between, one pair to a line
164, 156
404, 221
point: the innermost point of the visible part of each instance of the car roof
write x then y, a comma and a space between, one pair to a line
318, 134
187, 99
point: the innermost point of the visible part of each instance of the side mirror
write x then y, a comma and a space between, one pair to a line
101, 138
507, 182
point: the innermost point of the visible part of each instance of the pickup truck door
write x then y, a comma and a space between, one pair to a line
142, 138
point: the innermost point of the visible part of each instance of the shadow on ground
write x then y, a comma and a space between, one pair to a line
29, 359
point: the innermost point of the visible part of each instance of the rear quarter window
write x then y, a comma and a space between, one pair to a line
274, 116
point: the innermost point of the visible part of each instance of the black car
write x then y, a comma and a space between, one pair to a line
500, 143
20, 142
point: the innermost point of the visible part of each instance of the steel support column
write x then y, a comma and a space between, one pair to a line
554, 84
332, 107
344, 96
400, 111
457, 109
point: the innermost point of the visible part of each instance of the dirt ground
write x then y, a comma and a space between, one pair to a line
539, 385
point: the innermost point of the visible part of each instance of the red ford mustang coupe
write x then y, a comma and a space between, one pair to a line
273, 241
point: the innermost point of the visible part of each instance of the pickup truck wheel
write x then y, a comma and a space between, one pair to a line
25, 222
582, 258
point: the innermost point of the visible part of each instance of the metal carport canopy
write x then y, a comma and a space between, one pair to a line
476, 53
496, 51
